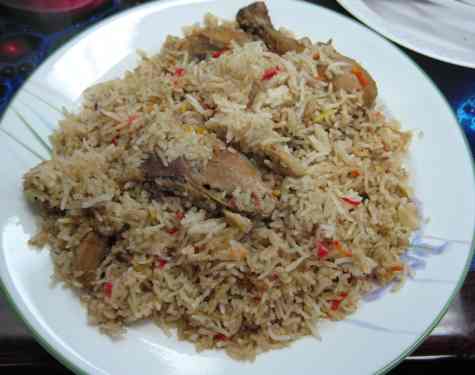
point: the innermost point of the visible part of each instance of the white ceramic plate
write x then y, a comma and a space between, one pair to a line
442, 29
374, 339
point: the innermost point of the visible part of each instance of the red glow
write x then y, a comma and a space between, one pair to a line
52, 5
13, 47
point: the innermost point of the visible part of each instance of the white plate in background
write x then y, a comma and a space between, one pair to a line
442, 29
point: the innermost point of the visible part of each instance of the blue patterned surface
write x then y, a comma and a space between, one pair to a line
40, 41
463, 103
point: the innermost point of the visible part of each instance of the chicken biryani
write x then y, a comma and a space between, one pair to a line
240, 186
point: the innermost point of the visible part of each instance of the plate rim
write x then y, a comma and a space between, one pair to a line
382, 31
69, 364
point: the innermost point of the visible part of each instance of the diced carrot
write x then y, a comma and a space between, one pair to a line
161, 263
238, 252
316, 56
335, 303
131, 119
321, 250
269, 73
397, 268
172, 231
352, 201
108, 289
339, 247
179, 72
355, 173
217, 54
361, 76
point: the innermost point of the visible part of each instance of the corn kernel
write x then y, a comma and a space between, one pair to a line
184, 107
200, 130
188, 128
324, 116
238, 252
140, 267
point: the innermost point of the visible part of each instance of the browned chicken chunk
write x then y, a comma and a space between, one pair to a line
88, 256
155, 168
204, 42
227, 172
255, 20
285, 162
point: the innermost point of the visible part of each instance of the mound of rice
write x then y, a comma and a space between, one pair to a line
336, 233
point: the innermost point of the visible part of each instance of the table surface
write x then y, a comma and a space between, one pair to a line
451, 342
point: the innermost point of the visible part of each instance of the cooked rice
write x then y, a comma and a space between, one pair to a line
176, 263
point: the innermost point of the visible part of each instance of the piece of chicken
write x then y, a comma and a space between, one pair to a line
284, 162
202, 43
354, 77
255, 20
214, 183
88, 256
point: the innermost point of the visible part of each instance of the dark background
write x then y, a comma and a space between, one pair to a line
27, 38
